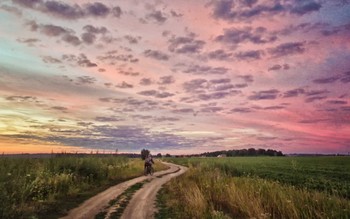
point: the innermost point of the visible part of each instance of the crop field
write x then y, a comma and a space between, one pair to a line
259, 187
48, 187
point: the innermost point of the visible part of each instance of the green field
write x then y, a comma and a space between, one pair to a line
259, 187
48, 187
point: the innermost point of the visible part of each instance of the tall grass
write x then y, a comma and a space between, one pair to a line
325, 174
208, 192
47, 187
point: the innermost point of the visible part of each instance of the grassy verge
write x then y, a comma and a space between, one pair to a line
204, 192
330, 175
48, 188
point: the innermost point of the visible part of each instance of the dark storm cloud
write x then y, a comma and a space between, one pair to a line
22, 98
310, 121
240, 10
51, 30
128, 72
80, 60
286, 49
166, 80
175, 14
302, 28
112, 57
195, 85
97, 9
245, 10
247, 78
264, 95
220, 81
155, 93
84, 124
315, 95
60, 108
201, 69
117, 11
71, 39
214, 95
146, 81
249, 55
166, 119
156, 16
241, 85
278, 67
337, 102
314, 98
132, 39
293, 93
211, 109
235, 36
108, 119
86, 80
89, 36
50, 59
124, 85
316, 92
304, 7
275, 67
326, 80
155, 54
187, 44
345, 78
70, 11
274, 107
241, 110
183, 110
220, 54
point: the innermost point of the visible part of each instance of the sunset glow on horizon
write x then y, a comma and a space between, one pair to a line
175, 77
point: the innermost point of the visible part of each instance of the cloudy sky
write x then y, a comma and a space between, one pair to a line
174, 76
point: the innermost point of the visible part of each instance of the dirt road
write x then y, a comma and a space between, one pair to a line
142, 203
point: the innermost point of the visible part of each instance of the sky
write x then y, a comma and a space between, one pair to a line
176, 77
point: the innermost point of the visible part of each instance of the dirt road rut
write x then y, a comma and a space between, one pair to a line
142, 204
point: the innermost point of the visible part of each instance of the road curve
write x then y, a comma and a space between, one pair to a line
143, 199
142, 203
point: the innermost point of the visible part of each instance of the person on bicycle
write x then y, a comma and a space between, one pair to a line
148, 163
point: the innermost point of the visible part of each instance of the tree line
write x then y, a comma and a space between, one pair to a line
244, 152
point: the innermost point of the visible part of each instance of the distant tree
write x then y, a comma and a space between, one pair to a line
167, 155
251, 152
144, 153
159, 155
261, 151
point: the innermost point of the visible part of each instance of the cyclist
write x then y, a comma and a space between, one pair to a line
148, 164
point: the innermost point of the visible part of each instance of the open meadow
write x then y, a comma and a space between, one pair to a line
48, 187
259, 187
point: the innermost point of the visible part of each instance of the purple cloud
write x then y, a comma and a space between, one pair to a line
156, 55
286, 49
264, 95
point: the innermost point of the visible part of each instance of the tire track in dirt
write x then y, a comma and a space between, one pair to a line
91, 207
142, 204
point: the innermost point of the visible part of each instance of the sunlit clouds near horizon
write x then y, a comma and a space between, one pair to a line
174, 76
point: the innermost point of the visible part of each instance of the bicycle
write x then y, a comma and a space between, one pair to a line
149, 170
